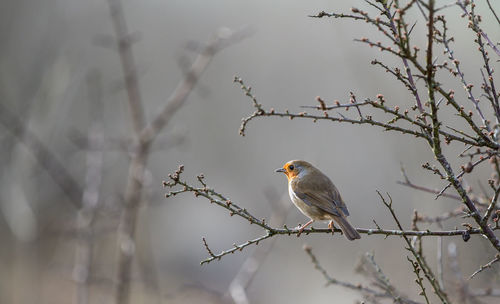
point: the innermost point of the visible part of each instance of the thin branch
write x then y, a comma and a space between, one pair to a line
178, 186
487, 231
491, 206
493, 11
473, 165
379, 104
405, 61
486, 266
419, 280
476, 27
467, 87
388, 289
419, 258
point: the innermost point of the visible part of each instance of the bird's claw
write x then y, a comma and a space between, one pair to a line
299, 228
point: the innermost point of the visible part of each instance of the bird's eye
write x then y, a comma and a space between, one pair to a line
291, 167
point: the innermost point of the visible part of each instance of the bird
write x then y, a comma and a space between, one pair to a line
314, 194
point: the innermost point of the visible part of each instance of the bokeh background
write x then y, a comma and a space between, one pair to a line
48, 50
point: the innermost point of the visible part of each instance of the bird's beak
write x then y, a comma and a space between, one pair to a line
280, 170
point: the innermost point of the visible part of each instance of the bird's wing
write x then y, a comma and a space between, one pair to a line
319, 191
322, 201
337, 200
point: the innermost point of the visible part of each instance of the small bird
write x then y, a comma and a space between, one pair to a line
316, 197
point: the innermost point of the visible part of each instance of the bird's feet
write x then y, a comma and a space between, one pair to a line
332, 226
300, 228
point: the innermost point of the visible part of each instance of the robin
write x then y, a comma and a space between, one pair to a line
316, 197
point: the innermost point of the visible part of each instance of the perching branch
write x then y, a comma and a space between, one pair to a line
179, 186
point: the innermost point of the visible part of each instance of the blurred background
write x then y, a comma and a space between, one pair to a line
62, 89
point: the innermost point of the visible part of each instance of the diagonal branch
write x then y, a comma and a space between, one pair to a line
45, 158
420, 260
222, 39
388, 291
486, 266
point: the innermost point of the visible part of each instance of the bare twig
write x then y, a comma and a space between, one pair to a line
418, 257
486, 266
472, 166
388, 291
493, 11
419, 280
367, 120
476, 27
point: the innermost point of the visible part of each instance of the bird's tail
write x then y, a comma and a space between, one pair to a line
349, 231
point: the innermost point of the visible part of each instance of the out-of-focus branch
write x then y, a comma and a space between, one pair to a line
224, 38
387, 291
408, 183
248, 270
124, 42
91, 197
44, 157
461, 286
116, 144
486, 292
457, 212
145, 134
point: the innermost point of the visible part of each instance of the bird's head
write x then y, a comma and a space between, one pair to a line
293, 168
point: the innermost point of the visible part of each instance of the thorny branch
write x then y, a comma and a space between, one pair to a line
433, 133
419, 121
180, 186
419, 258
